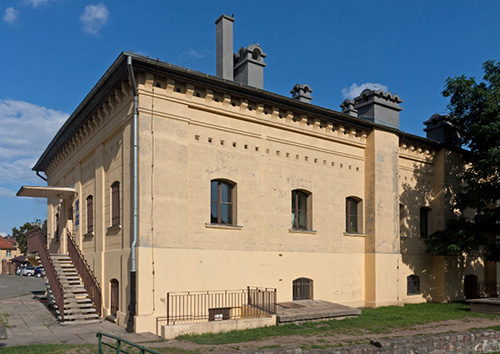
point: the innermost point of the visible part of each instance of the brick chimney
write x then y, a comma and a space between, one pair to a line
224, 46
379, 107
249, 66
440, 128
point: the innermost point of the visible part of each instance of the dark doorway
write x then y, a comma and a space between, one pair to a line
114, 297
471, 287
302, 289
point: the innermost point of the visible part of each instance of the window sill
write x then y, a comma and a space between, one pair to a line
354, 234
89, 234
300, 231
223, 226
114, 228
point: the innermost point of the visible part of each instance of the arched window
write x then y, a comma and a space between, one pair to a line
424, 221
354, 215
301, 210
115, 203
302, 289
413, 285
221, 202
115, 296
90, 214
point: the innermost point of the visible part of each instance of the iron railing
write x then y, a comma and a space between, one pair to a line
118, 347
35, 243
89, 280
488, 289
202, 306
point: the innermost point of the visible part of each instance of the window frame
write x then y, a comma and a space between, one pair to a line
230, 204
303, 286
296, 210
90, 214
356, 204
403, 230
424, 222
415, 285
115, 204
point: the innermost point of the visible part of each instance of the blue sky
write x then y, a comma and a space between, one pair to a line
54, 51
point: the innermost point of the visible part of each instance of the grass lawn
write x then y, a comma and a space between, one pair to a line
77, 349
379, 320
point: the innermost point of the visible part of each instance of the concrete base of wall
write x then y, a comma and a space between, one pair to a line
490, 305
170, 332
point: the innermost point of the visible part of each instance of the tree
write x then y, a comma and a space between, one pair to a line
474, 111
21, 234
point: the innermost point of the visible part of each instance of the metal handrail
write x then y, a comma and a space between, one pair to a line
118, 341
90, 282
201, 306
35, 243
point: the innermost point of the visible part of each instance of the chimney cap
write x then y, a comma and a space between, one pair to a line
302, 93
225, 17
367, 93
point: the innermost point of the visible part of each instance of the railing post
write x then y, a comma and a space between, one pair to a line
168, 309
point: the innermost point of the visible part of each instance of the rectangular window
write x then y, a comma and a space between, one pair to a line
90, 214
300, 214
352, 215
115, 204
221, 202
9, 254
424, 222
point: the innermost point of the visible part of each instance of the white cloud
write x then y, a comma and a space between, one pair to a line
11, 15
26, 131
354, 90
36, 3
5, 192
94, 17
193, 54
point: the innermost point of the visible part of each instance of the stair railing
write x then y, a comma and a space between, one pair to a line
35, 243
89, 280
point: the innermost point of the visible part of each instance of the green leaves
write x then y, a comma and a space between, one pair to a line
21, 234
474, 110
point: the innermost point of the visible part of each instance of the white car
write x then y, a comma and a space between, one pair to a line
28, 271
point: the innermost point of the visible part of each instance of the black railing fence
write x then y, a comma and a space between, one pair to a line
202, 306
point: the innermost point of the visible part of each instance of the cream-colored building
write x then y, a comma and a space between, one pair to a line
239, 186
8, 250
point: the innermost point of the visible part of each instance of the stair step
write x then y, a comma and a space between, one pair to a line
78, 307
79, 322
80, 317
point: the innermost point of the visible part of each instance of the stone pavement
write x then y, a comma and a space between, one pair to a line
30, 322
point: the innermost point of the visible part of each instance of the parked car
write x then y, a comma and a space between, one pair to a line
39, 272
28, 271
19, 270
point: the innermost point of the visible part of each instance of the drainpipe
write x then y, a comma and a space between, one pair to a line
132, 304
39, 175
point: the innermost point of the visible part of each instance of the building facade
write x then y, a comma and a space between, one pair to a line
239, 186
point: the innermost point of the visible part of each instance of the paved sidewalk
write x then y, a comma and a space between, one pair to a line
30, 322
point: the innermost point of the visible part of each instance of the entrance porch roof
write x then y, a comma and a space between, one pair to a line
46, 192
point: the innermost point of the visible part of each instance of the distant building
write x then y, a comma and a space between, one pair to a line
8, 250
240, 186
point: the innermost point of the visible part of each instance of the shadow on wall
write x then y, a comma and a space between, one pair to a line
426, 199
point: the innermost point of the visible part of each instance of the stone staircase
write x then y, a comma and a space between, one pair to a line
78, 307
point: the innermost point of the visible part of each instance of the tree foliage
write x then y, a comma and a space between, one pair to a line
474, 111
21, 233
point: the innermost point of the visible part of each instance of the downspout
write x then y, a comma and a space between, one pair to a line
133, 286
39, 175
